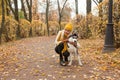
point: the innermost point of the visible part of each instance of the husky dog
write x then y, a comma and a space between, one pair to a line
73, 49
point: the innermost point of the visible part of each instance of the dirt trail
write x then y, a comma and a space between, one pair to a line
35, 59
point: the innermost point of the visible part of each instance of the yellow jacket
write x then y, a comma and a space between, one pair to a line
60, 36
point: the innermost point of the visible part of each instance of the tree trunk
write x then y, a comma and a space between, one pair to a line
17, 17
29, 5
88, 10
3, 20
30, 11
88, 2
59, 15
47, 12
9, 3
76, 6
23, 9
60, 12
16, 10
15, 13
7, 9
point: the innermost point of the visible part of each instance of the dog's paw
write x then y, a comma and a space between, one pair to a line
69, 64
80, 64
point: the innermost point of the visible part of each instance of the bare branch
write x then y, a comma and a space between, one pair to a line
23, 9
96, 2
58, 6
9, 3
63, 6
27, 4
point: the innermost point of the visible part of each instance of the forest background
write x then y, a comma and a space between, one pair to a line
47, 17
28, 29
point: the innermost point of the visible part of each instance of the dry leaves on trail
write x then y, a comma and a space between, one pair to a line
101, 63
38, 59
93, 50
7, 56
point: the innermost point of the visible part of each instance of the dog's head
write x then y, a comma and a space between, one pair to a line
73, 37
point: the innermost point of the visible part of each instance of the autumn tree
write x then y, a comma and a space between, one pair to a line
60, 11
7, 11
98, 3
3, 20
6, 6
100, 14
116, 18
76, 10
27, 7
53, 12
88, 8
66, 14
23, 9
35, 13
15, 13
47, 13
88, 13
15, 9
76, 6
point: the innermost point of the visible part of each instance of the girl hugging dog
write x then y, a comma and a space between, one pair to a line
61, 44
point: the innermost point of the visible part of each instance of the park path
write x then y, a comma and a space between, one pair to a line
35, 59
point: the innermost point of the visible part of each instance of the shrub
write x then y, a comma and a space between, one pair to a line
9, 30
82, 29
37, 28
117, 34
53, 27
24, 28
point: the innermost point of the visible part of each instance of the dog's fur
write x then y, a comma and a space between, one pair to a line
73, 50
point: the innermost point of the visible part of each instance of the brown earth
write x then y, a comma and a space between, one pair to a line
35, 59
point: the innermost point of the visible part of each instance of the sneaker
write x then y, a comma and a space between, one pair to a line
62, 63
66, 62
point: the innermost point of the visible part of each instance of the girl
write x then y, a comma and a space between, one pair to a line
61, 44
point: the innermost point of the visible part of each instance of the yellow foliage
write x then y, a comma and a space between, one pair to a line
103, 68
95, 26
1, 7
53, 27
37, 28
9, 30
24, 28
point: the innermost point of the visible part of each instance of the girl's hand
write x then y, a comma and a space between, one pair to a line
65, 40
73, 43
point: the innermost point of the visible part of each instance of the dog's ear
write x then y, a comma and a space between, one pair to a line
75, 35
